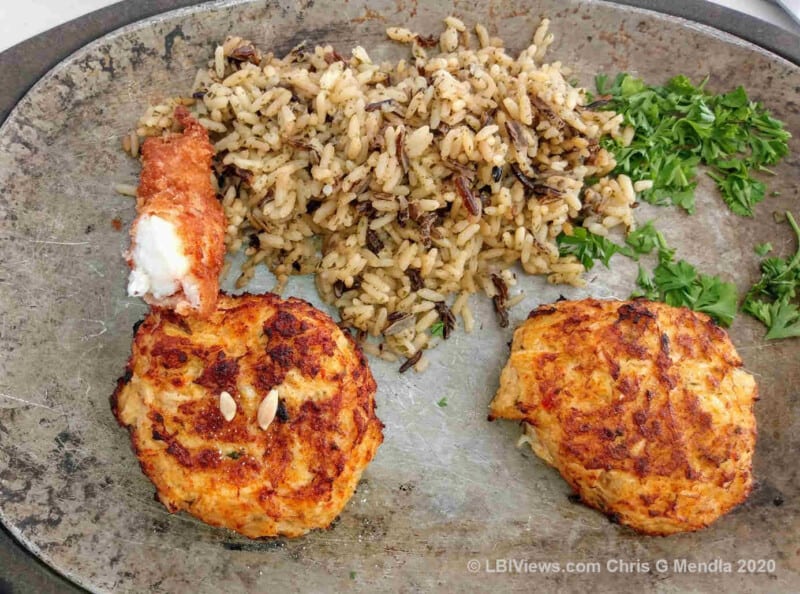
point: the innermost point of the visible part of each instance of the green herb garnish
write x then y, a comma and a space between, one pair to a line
234, 455
352, 575
437, 329
588, 247
762, 249
442, 402
773, 299
675, 282
644, 239
678, 283
679, 126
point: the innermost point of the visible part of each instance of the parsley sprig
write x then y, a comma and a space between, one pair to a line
679, 126
672, 281
437, 329
678, 283
774, 298
588, 247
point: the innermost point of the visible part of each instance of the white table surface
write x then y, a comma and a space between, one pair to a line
20, 20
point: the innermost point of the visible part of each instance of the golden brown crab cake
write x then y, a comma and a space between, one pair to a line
643, 408
222, 465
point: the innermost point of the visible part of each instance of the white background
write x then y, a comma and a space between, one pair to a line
21, 19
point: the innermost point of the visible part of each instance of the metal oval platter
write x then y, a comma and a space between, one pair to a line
447, 486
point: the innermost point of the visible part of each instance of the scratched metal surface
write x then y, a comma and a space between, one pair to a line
446, 486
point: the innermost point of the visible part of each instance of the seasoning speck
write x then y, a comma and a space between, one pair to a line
497, 173
282, 413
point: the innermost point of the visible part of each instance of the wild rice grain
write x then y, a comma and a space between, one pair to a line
500, 309
410, 362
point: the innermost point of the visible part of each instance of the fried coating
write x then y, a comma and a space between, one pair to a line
643, 408
293, 476
175, 186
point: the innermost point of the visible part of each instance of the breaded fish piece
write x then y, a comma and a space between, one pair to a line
643, 408
177, 240
196, 398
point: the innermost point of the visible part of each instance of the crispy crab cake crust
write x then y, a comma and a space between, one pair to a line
294, 476
643, 408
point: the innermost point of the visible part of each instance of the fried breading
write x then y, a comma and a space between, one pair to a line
643, 408
177, 240
293, 476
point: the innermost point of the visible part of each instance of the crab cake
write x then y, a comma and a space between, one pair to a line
643, 408
259, 418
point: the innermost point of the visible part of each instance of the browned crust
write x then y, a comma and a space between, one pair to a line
643, 408
296, 475
175, 185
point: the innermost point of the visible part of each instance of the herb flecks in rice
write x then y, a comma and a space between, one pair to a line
405, 186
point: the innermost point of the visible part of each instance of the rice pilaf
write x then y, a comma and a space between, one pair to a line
405, 187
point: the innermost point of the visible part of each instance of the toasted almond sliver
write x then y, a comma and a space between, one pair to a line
227, 406
267, 409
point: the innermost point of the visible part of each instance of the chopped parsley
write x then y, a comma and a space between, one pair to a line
762, 249
644, 239
588, 247
678, 283
352, 575
680, 126
442, 402
437, 329
774, 298
675, 282
234, 455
